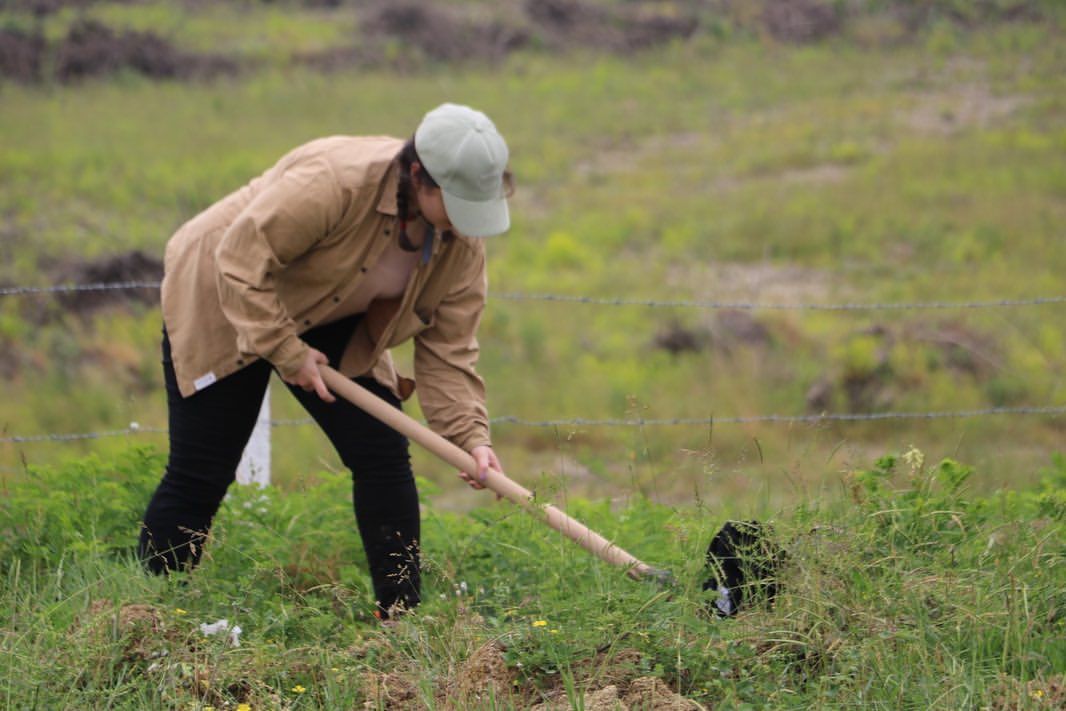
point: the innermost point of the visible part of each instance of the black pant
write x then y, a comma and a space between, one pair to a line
208, 432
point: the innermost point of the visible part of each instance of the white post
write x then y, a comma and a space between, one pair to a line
255, 462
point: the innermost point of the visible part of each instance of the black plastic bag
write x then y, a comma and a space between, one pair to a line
743, 561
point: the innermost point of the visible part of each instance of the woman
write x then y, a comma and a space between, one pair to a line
346, 247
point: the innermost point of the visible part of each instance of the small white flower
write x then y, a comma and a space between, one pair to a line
134, 426
222, 626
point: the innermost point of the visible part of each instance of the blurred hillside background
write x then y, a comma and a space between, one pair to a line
776, 153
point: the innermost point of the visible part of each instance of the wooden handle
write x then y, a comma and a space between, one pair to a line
496, 481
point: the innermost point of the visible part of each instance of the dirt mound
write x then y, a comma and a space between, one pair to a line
389, 691
141, 629
1013, 694
21, 55
440, 34
404, 33
133, 266
605, 699
484, 676
94, 49
41, 8
676, 338
647, 692
651, 692
730, 330
870, 375
577, 23
481, 678
800, 20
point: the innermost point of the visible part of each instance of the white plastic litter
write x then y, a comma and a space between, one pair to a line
220, 627
725, 601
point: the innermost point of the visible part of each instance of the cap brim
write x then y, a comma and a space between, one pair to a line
477, 219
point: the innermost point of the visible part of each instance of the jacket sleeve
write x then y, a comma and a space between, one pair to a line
291, 214
450, 391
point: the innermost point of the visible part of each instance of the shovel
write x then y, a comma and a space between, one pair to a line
496, 481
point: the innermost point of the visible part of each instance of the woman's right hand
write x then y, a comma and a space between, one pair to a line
308, 377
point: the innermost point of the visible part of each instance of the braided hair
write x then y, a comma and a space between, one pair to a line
405, 189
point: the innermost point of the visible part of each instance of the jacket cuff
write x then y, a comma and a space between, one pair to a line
289, 356
474, 439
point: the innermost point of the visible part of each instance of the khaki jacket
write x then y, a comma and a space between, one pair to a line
243, 279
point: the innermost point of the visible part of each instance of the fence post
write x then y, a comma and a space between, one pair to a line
255, 462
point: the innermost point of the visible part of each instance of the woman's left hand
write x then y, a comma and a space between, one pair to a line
485, 459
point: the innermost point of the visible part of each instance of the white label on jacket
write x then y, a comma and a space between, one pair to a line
203, 381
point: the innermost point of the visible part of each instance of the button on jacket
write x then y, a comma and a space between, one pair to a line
243, 279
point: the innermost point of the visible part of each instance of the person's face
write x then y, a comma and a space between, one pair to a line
430, 202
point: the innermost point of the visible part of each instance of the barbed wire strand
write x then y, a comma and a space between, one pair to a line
620, 301
764, 306
618, 422
786, 419
72, 288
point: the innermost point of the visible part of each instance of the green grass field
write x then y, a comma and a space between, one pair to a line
911, 592
735, 172
865, 168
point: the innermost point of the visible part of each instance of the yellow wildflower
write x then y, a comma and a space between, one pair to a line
540, 623
298, 689
554, 631
179, 611
1036, 694
244, 707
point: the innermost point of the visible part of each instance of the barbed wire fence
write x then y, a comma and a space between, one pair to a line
266, 424
618, 301
136, 429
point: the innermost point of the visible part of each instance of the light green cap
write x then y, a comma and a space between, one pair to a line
463, 152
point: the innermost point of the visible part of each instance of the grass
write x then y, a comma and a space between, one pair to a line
816, 174
910, 592
725, 168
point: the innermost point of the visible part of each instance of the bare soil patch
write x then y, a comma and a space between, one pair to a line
133, 266
21, 55
1013, 694
727, 331
801, 20
647, 692
964, 107
441, 33
92, 49
141, 629
390, 691
823, 174
482, 677
405, 34
607, 681
626, 28
753, 281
